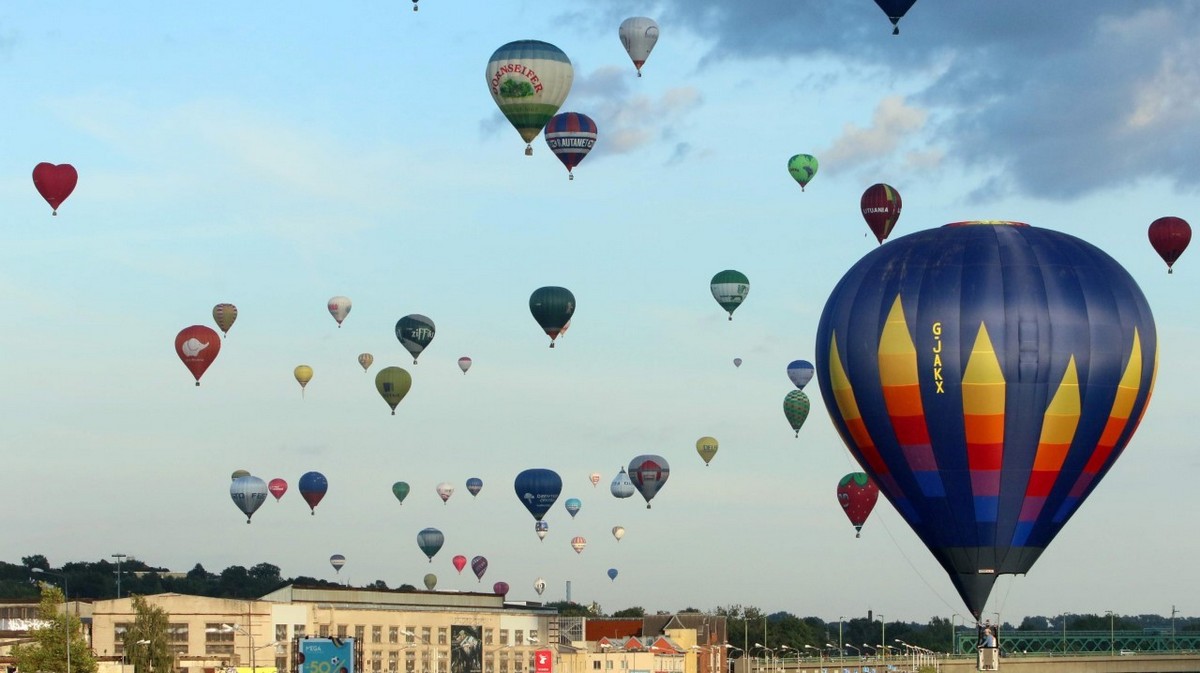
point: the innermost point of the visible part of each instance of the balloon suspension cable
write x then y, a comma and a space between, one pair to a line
528, 150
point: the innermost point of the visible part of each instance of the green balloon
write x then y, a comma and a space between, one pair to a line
393, 384
430, 581
400, 490
802, 167
730, 288
795, 407
552, 308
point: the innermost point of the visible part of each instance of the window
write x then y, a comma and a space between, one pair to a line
376, 660
410, 636
504, 666
608, 664
119, 630
426, 635
596, 665
323, 630
503, 636
487, 636
519, 637
218, 640
533, 635
441, 635
410, 664
377, 634
341, 630
298, 630
360, 632
393, 634
393, 657
281, 633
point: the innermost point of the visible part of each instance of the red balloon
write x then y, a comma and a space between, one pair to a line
197, 346
277, 487
459, 562
856, 493
881, 208
54, 183
1170, 237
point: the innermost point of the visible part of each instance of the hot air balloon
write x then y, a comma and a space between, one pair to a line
856, 493
197, 346
541, 528
400, 489
573, 505
430, 581
621, 486
529, 80
1170, 237
571, 135
430, 540
337, 561
802, 167
55, 183
415, 332
313, 486
552, 308
800, 372
649, 473
277, 487
707, 448
474, 486
618, 532
239, 473
730, 288
594, 478
737, 362
444, 491
464, 363
303, 374
881, 209
795, 409
539, 585
895, 10
224, 315
479, 566
612, 574
339, 308
500, 589
986, 375
638, 35
459, 562
538, 489
365, 360
578, 543
393, 383
248, 493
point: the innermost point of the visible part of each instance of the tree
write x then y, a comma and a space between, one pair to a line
635, 612
146, 641
48, 651
35, 561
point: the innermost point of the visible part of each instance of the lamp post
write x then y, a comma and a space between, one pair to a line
1064, 620
731, 647
118, 557
770, 652
810, 647
857, 651
66, 610
1112, 647
954, 635
883, 635
841, 649
235, 627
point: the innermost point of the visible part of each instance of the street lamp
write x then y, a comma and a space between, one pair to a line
883, 635
235, 627
66, 610
856, 650
1112, 647
118, 557
874, 649
841, 650
810, 647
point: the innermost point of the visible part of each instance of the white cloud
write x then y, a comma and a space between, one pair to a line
892, 122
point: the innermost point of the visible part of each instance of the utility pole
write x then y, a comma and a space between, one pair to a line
118, 557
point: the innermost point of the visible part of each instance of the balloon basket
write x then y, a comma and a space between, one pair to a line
197, 384
551, 345
54, 213
528, 150
570, 176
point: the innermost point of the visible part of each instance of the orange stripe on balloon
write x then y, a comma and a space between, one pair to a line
1059, 424
1118, 419
983, 415
843, 395
902, 390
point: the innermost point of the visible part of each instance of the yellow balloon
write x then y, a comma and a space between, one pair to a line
707, 448
303, 374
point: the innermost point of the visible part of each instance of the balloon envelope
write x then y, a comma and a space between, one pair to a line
622, 486
479, 566
239, 473
400, 489
474, 486
55, 183
313, 487
339, 308
538, 489
277, 487
459, 562
365, 360
730, 288
337, 561
552, 308
303, 374
529, 80
430, 540
800, 372
881, 206
895, 10
1170, 237
612, 573
248, 493
649, 473
986, 376
197, 346
445, 490
578, 543
707, 448
594, 478
802, 167
415, 332
541, 528
856, 493
224, 315
618, 532
737, 362
570, 135
638, 35
430, 581
500, 588
539, 585
464, 363
573, 505
796, 406
393, 383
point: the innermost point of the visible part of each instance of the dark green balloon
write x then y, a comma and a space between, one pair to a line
552, 308
415, 332
400, 490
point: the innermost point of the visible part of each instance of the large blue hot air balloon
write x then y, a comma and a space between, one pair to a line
895, 10
648, 474
986, 375
248, 493
800, 372
430, 540
538, 489
474, 486
573, 505
312, 487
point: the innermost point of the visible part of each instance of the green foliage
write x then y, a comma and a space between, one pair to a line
48, 651
570, 609
635, 612
146, 642
514, 88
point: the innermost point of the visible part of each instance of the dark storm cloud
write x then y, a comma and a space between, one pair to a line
1052, 99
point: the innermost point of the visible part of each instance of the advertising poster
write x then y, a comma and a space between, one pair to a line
466, 649
543, 661
326, 655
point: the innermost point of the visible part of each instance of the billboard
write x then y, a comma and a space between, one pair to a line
543, 661
466, 649
326, 655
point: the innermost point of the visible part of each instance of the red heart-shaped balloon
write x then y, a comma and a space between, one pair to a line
55, 182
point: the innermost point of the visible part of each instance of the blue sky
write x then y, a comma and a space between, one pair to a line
273, 155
